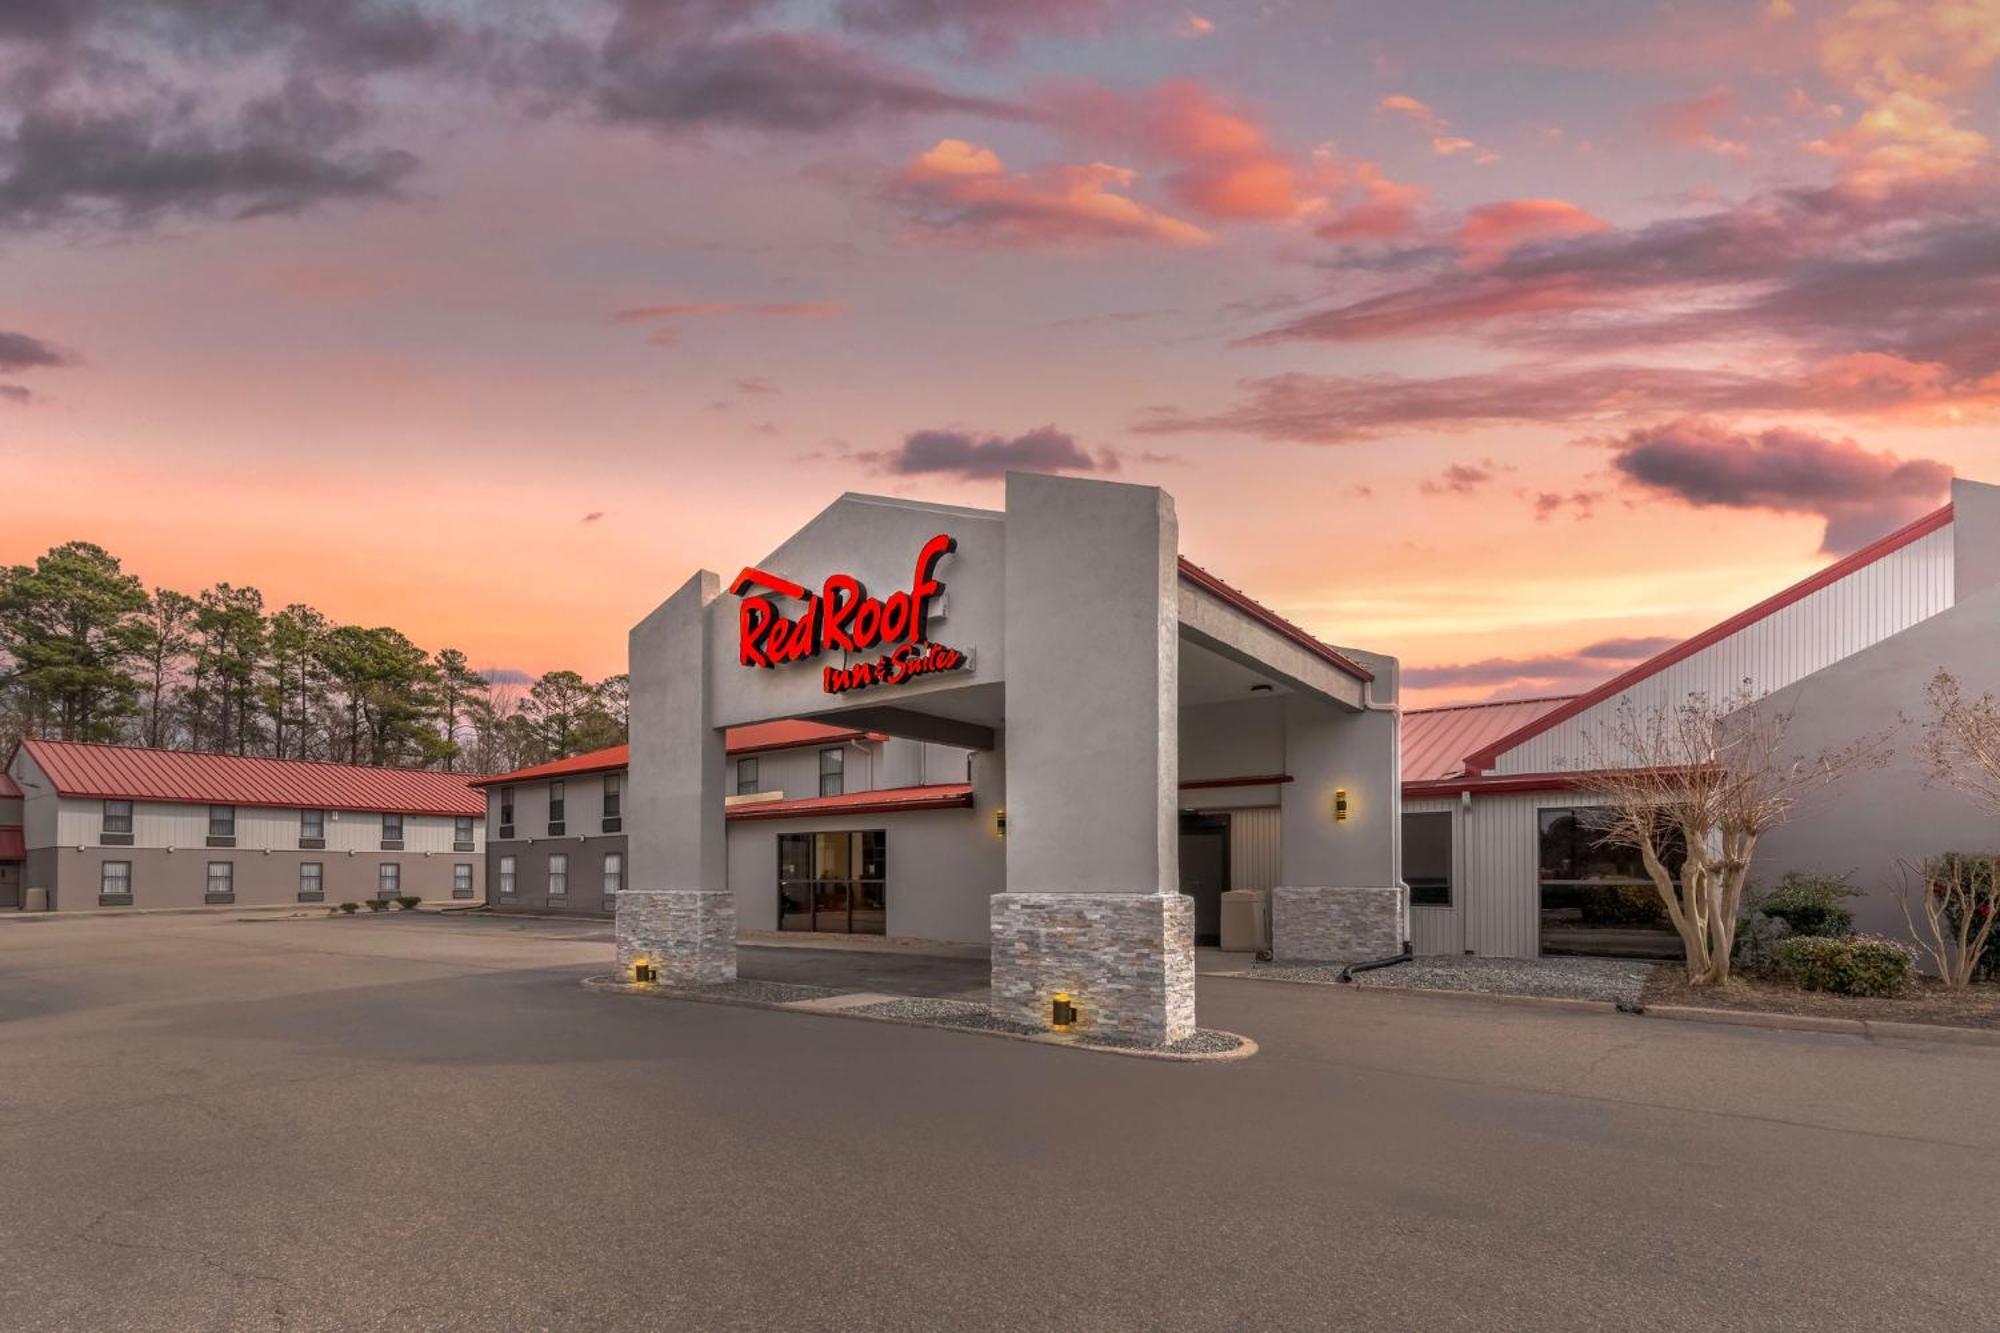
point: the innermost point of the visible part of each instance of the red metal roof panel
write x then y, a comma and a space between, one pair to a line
1249, 606
1437, 740
130, 773
592, 761
9, 789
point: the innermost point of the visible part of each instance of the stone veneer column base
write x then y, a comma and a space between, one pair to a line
688, 934
1337, 925
1126, 960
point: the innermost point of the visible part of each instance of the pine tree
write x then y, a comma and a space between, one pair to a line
70, 626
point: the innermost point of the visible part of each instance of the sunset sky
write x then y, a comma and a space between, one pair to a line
1515, 339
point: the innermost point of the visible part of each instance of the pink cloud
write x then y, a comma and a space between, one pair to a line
1491, 231
1371, 207
963, 191
1693, 123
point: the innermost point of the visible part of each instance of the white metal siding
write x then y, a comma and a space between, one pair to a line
80, 820
1878, 600
1253, 848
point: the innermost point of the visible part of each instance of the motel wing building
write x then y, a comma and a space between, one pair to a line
1496, 798
109, 826
1106, 696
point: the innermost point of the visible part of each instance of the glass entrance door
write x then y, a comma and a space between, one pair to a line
834, 882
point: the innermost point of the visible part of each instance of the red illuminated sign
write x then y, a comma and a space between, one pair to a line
842, 615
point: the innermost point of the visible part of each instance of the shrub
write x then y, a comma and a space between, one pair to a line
1855, 965
350, 908
1620, 905
407, 903
1957, 899
1811, 904
378, 904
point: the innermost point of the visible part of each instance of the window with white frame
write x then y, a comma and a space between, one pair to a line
117, 830
506, 812
556, 806
392, 831
506, 877
614, 803
388, 880
312, 882
746, 777
614, 873
221, 881
222, 826
114, 884
558, 875
312, 828
832, 772
461, 833
461, 880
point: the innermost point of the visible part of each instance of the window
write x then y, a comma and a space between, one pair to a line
117, 831
555, 808
312, 882
506, 877
221, 882
389, 880
392, 833
506, 812
832, 771
461, 880
312, 828
1597, 898
614, 876
222, 826
114, 884
834, 881
614, 803
461, 833
558, 875
1427, 858
746, 777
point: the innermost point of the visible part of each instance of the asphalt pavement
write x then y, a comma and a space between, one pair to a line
212, 1123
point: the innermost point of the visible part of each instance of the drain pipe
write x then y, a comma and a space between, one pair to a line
1347, 973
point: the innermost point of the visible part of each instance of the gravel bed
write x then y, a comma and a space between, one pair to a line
951, 1013
1613, 980
1203, 1042
755, 992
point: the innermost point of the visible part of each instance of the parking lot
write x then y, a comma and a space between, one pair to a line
421, 1122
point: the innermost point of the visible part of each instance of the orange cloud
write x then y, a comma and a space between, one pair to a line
1491, 230
1224, 165
963, 190
1902, 59
1403, 104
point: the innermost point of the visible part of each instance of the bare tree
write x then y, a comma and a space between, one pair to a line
1713, 775
1961, 741
1955, 896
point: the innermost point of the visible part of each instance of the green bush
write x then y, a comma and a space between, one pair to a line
350, 908
407, 903
378, 904
1620, 905
1811, 905
1855, 965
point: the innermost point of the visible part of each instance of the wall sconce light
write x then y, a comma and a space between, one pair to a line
1000, 822
1340, 805
1062, 1013
643, 971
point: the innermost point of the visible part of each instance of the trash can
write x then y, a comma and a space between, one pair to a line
36, 900
1243, 920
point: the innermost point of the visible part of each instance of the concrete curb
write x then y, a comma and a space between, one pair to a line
1872, 1028
1493, 997
1245, 1048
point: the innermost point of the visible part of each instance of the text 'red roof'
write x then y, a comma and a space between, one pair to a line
128, 773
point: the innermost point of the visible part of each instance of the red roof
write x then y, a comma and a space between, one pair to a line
129, 773
784, 735
9, 789
1264, 615
890, 800
13, 847
594, 761
1436, 740
1484, 758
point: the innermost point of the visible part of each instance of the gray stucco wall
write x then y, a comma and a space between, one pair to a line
1328, 749
1873, 821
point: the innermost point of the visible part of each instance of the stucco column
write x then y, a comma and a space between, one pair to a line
1093, 904
679, 914
1340, 896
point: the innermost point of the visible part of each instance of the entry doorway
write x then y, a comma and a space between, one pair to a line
834, 882
1205, 871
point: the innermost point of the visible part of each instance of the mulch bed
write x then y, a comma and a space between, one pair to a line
1976, 1006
